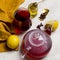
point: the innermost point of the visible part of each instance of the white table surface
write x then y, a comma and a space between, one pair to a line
54, 14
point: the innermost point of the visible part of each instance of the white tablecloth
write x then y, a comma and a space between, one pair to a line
54, 14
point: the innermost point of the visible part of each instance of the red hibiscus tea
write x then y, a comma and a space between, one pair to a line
36, 44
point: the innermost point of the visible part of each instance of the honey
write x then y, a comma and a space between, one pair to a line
33, 9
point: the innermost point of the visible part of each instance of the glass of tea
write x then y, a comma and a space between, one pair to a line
36, 44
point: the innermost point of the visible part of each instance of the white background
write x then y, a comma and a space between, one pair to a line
54, 14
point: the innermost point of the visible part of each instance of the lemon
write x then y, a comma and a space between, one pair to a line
54, 24
13, 41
